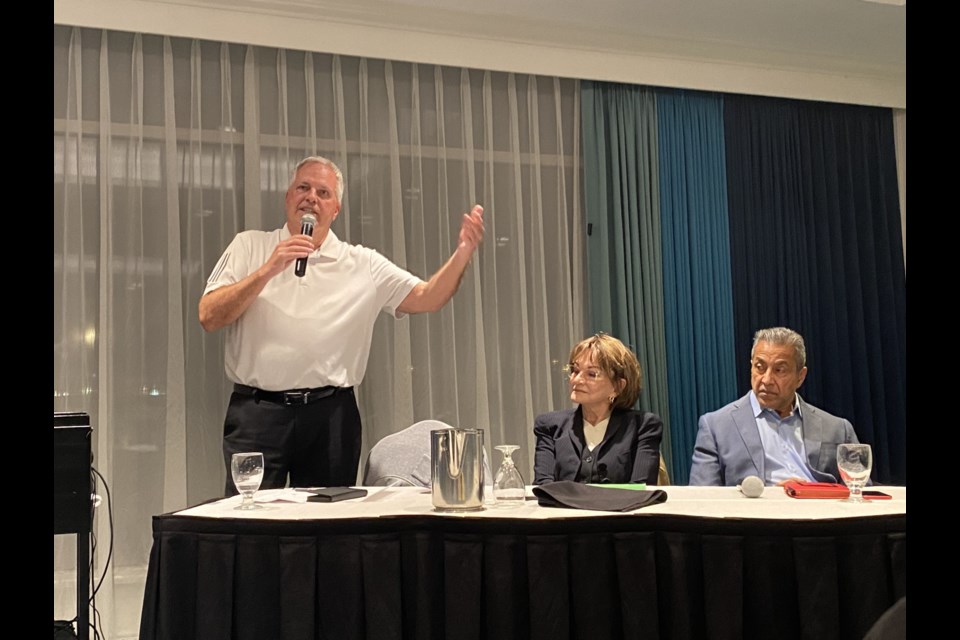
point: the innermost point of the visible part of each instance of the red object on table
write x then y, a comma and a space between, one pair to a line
828, 490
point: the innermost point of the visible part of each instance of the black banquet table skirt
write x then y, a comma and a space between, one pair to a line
652, 574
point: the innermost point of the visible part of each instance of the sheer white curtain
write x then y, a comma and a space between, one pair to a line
164, 148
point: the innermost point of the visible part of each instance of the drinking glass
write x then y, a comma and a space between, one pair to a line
855, 462
508, 487
247, 471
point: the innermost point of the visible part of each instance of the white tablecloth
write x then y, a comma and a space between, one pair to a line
702, 502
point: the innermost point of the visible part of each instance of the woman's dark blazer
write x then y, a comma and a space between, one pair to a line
629, 452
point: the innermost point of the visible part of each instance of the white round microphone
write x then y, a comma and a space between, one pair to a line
751, 486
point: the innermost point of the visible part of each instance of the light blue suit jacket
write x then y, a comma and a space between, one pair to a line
728, 447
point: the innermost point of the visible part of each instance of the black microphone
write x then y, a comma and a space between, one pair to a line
603, 479
306, 228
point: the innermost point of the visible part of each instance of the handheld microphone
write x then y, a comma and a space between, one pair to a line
306, 228
751, 486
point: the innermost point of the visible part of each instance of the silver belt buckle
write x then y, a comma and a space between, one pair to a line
291, 398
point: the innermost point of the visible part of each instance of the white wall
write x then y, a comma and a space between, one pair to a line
248, 22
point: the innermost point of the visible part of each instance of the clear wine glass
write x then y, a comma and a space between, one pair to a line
508, 487
247, 471
855, 462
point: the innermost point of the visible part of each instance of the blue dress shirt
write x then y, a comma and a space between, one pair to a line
782, 438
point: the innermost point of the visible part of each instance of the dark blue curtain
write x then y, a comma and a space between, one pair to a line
697, 295
816, 246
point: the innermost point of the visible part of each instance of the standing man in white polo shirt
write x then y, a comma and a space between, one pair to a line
296, 346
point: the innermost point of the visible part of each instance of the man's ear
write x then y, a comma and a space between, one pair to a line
803, 376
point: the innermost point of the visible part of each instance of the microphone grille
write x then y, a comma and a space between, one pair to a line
751, 486
308, 218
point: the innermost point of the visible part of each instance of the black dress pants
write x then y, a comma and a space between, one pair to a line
317, 444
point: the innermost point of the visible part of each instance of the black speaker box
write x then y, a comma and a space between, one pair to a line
71, 473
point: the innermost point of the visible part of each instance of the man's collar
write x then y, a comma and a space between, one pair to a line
329, 247
757, 409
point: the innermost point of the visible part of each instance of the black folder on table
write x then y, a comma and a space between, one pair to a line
335, 494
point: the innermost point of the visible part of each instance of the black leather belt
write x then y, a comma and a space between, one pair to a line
291, 398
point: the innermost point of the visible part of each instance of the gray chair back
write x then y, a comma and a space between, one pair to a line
403, 458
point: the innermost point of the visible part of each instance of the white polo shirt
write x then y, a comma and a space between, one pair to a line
312, 331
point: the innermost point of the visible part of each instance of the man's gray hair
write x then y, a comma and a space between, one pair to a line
782, 336
327, 163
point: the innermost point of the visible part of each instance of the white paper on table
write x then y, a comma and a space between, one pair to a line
290, 494
281, 495
382, 494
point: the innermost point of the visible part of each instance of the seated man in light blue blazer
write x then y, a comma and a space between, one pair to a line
771, 432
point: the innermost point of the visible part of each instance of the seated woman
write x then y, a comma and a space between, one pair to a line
603, 440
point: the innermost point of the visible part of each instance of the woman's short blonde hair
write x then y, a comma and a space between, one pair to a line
616, 360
